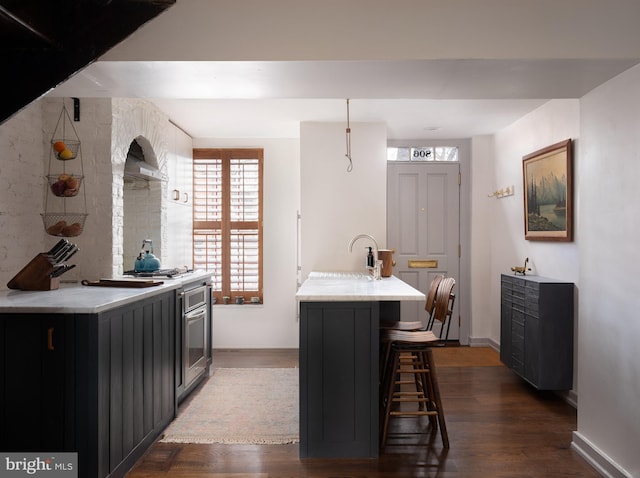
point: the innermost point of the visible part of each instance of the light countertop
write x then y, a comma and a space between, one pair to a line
80, 299
354, 286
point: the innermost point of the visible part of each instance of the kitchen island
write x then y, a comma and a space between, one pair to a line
90, 370
339, 360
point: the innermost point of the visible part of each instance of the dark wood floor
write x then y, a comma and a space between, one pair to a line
498, 427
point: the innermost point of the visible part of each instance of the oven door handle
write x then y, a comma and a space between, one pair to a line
194, 314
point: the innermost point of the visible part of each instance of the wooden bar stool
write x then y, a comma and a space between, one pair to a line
419, 345
385, 326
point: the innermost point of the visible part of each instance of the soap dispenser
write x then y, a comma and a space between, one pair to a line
371, 261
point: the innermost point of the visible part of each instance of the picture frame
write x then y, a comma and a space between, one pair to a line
548, 193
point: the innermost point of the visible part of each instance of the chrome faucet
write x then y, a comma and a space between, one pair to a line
376, 270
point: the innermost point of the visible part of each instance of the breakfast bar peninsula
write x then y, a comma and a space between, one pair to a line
340, 316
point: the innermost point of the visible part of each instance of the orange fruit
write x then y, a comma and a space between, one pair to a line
59, 146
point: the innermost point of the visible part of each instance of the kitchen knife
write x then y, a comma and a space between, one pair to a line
59, 252
67, 255
56, 248
61, 270
57, 257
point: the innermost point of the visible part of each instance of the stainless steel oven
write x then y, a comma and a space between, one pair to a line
195, 327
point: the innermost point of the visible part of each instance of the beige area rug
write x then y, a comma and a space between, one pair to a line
241, 406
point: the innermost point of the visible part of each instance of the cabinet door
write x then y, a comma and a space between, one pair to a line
137, 369
178, 246
37, 401
518, 341
533, 350
179, 167
505, 322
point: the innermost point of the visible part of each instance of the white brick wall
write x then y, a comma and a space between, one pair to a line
106, 129
145, 207
21, 191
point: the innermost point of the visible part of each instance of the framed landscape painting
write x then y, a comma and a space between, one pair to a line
548, 193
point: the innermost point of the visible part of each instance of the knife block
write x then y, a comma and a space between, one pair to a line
35, 275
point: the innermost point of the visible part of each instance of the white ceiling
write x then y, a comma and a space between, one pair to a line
417, 99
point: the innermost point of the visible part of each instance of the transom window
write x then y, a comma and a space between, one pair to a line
423, 153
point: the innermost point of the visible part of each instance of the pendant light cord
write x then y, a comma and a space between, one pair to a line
348, 140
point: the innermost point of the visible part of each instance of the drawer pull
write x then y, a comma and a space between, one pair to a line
423, 264
50, 339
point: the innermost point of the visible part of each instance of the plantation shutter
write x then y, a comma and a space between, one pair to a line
227, 219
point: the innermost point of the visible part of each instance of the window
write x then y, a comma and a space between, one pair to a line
227, 220
423, 153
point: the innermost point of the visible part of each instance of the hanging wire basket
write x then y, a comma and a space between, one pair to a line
65, 149
69, 224
64, 184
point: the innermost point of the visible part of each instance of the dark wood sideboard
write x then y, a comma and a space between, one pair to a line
536, 330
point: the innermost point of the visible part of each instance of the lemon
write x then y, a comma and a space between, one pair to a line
65, 154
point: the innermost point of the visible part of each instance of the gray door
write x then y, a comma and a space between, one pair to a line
423, 227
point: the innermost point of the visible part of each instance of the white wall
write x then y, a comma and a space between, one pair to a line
275, 323
94, 258
483, 183
25, 139
337, 205
498, 224
555, 121
22, 189
608, 228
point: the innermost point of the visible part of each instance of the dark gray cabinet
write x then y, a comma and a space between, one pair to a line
536, 330
100, 384
36, 401
339, 379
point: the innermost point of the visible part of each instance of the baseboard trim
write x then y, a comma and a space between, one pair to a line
484, 342
596, 458
571, 398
